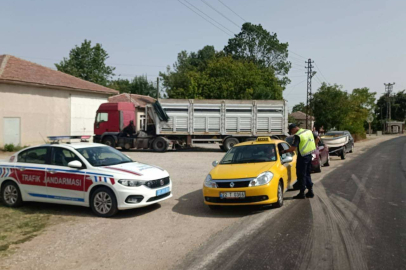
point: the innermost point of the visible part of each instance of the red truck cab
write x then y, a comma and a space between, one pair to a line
111, 118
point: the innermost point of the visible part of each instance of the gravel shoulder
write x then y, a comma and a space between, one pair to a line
164, 235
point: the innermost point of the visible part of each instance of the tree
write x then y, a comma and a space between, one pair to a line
301, 107
331, 107
361, 104
138, 85
256, 44
88, 63
213, 75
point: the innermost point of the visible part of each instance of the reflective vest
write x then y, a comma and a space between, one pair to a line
306, 145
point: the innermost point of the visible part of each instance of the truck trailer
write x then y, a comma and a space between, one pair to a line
182, 122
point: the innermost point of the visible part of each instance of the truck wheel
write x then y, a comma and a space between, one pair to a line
127, 146
109, 141
343, 152
229, 143
160, 145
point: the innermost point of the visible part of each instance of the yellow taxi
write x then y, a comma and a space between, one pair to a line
251, 173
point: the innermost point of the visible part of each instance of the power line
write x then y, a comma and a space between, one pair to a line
204, 18
116, 64
220, 13
321, 72
232, 11
208, 16
293, 87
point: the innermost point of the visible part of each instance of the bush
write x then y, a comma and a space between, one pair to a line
12, 148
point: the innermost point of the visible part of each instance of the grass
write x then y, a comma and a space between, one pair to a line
18, 225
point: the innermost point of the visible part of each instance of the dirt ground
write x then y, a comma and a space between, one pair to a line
156, 237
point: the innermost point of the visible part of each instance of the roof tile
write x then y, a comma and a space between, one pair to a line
13, 69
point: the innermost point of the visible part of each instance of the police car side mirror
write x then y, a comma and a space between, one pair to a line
215, 163
287, 159
75, 164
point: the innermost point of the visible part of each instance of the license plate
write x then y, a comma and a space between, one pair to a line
162, 191
232, 195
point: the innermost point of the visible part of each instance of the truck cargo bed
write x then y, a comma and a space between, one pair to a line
222, 117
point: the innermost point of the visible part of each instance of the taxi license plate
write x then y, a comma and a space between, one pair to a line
162, 191
232, 195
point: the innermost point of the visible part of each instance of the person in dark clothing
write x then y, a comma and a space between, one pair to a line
129, 130
304, 142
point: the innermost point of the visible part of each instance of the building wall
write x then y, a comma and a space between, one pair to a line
43, 112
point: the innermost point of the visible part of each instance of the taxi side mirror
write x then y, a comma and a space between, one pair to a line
215, 163
287, 159
75, 164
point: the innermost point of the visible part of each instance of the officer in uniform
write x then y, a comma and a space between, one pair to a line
304, 140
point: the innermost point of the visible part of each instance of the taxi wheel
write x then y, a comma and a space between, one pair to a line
328, 161
279, 203
103, 202
11, 195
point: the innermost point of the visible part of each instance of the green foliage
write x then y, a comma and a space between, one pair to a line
208, 74
330, 105
361, 103
256, 44
138, 85
13, 148
301, 107
334, 108
88, 63
398, 107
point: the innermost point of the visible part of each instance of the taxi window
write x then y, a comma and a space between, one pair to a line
285, 146
61, 156
35, 155
250, 154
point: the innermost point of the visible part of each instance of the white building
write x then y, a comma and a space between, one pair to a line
36, 102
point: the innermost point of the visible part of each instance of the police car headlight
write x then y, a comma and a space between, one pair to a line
208, 182
132, 183
262, 179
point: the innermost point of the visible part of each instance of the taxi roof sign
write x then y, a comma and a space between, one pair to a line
264, 139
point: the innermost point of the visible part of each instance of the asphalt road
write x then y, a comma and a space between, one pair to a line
357, 220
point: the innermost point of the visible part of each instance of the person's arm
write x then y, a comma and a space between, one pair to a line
291, 149
294, 146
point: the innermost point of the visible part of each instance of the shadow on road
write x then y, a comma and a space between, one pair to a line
191, 204
191, 149
80, 211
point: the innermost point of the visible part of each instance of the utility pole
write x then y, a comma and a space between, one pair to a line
388, 90
310, 75
157, 88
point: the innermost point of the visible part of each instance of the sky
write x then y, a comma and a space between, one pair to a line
354, 43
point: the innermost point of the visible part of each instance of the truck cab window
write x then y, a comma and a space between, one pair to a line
102, 117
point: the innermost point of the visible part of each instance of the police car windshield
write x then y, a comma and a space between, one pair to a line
103, 156
250, 154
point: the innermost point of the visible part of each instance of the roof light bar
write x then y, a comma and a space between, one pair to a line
57, 139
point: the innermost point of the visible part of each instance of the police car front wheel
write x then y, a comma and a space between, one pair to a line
103, 202
11, 194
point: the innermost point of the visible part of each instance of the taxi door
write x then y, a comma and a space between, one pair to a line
65, 184
291, 166
30, 171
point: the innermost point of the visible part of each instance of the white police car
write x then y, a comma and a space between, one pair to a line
83, 174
